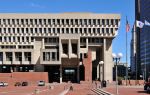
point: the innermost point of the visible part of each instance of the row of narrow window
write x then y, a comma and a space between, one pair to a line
16, 39
14, 47
55, 30
18, 56
59, 21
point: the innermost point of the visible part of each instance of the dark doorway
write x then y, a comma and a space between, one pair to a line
94, 73
70, 74
5, 69
82, 73
53, 73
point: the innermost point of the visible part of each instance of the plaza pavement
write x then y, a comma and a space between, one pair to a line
84, 88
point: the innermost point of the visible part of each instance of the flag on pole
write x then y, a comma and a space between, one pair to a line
127, 26
147, 23
139, 24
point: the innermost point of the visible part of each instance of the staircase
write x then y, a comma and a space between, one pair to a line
99, 91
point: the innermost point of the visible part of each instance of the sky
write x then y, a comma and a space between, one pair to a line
123, 7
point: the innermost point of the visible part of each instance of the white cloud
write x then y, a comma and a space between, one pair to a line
35, 5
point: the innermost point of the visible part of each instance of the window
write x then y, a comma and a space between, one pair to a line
32, 39
76, 21
103, 22
40, 21
18, 56
22, 39
8, 56
49, 21
94, 21
53, 56
107, 22
27, 56
65, 48
74, 48
36, 21
18, 39
22, 21
67, 21
46, 56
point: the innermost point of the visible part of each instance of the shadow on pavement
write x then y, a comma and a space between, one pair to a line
141, 91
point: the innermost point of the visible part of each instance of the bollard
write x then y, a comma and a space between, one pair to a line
71, 88
36, 91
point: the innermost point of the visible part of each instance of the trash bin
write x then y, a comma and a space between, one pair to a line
103, 84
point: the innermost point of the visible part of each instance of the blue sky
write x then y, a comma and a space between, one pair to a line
123, 7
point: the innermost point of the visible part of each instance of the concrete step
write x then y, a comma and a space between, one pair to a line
101, 92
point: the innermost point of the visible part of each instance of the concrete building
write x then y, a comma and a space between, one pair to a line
69, 46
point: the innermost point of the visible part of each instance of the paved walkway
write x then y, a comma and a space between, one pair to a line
78, 89
126, 90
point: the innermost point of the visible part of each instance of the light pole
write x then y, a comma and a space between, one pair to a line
101, 64
116, 59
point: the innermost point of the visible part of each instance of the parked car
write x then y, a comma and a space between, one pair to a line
17, 84
1, 84
41, 83
24, 83
5, 83
147, 87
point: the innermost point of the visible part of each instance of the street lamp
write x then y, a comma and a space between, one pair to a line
116, 59
101, 63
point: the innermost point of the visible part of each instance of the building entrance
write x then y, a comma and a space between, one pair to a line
53, 73
70, 74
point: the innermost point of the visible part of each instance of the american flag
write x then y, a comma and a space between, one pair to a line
127, 26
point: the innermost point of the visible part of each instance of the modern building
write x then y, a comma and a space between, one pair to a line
133, 45
121, 70
69, 46
142, 60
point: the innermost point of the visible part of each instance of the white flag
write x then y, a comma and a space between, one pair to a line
147, 23
139, 24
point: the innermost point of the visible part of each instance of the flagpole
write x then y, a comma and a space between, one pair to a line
126, 56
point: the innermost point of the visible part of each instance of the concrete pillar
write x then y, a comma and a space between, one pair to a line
23, 57
104, 52
60, 73
98, 71
13, 58
55, 56
60, 49
43, 43
4, 57
108, 62
78, 48
87, 41
50, 56
70, 48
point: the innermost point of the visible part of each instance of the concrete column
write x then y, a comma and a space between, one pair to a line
70, 48
23, 57
43, 43
104, 53
78, 48
60, 49
87, 41
29, 39
50, 56
55, 56
60, 73
108, 62
4, 57
98, 71
13, 57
